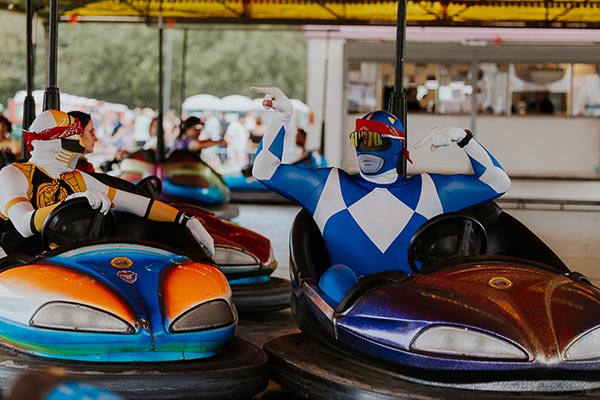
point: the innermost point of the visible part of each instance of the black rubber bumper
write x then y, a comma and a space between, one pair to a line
240, 371
261, 297
316, 370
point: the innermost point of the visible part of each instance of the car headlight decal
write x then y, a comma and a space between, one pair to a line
69, 316
209, 315
229, 256
587, 347
465, 343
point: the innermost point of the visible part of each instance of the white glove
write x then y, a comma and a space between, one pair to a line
442, 136
95, 198
201, 235
275, 99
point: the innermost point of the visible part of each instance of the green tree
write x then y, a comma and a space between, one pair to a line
13, 61
119, 62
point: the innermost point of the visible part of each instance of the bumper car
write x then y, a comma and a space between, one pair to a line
244, 188
244, 256
247, 260
150, 317
185, 178
489, 311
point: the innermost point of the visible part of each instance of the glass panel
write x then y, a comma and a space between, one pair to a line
586, 90
492, 88
455, 88
361, 93
540, 88
420, 83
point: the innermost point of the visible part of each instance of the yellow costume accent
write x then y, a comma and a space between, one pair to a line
160, 211
44, 192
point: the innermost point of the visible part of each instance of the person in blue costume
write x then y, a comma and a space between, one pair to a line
367, 219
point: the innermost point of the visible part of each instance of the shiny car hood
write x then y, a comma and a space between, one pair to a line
538, 310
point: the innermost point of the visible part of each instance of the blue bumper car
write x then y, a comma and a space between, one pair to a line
184, 177
244, 187
489, 311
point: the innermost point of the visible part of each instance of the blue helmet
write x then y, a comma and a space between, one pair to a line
379, 141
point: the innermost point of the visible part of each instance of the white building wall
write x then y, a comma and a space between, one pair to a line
527, 146
325, 74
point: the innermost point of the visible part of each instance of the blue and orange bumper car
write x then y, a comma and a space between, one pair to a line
150, 317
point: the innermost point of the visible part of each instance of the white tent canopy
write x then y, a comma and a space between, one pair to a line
201, 102
237, 103
234, 103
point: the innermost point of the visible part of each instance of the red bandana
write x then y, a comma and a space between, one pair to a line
57, 132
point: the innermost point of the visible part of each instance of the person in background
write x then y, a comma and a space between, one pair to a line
9, 145
211, 130
31, 190
189, 137
310, 158
236, 137
255, 136
141, 126
367, 219
412, 102
152, 142
542, 104
88, 138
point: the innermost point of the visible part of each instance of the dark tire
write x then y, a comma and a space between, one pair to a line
255, 196
261, 297
238, 372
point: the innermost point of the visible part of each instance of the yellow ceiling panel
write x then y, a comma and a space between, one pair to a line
547, 13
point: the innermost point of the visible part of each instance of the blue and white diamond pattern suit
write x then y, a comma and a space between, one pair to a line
367, 226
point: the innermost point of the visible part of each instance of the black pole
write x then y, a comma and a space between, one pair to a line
52, 95
397, 104
29, 101
183, 70
160, 132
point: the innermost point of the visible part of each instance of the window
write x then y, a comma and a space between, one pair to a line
540, 88
499, 88
586, 90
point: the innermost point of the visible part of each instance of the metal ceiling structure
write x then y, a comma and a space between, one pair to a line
505, 13
498, 13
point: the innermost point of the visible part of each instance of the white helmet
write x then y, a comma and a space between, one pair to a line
55, 125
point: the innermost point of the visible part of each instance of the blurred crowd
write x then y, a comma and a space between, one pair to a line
227, 141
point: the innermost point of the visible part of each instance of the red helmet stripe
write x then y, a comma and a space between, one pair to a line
379, 127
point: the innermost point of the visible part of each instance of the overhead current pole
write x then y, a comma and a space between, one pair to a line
52, 94
168, 68
160, 132
183, 70
397, 104
28, 102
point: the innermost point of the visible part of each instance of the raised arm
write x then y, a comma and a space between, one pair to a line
489, 180
302, 185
